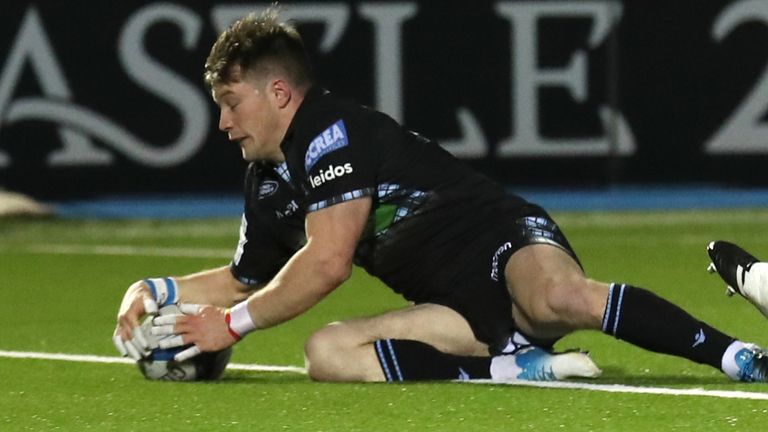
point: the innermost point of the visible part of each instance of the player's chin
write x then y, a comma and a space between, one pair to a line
248, 156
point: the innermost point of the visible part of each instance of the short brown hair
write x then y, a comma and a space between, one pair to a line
259, 44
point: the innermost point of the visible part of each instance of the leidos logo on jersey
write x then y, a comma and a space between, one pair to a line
329, 174
330, 140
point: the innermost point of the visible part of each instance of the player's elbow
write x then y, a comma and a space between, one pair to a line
240, 292
335, 270
333, 265
237, 291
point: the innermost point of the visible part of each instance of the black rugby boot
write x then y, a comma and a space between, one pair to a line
732, 264
744, 273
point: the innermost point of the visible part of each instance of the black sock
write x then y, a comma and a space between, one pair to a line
407, 360
648, 321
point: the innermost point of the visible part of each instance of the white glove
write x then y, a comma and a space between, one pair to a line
162, 330
164, 292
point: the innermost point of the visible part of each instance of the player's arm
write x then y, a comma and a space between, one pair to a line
323, 264
216, 287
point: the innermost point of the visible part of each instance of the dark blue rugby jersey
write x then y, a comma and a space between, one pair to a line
428, 207
272, 227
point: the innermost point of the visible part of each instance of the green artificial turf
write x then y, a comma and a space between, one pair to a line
61, 283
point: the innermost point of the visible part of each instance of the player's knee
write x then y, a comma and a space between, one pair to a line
318, 353
327, 352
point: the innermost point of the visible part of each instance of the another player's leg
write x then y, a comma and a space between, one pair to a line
743, 273
426, 342
558, 299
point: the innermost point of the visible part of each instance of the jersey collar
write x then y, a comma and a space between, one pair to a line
310, 99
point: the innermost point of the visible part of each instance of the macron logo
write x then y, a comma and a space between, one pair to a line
330, 140
699, 338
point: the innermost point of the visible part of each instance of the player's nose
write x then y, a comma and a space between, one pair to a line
225, 122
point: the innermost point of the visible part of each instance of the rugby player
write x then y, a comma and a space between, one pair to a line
493, 280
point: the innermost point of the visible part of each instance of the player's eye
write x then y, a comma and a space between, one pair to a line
231, 103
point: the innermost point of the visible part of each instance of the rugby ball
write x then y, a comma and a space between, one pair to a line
160, 365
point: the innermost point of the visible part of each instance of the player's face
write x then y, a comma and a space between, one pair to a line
249, 116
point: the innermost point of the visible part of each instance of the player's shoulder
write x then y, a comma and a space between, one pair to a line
327, 116
323, 124
320, 111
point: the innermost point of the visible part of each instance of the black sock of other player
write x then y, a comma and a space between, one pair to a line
648, 321
407, 360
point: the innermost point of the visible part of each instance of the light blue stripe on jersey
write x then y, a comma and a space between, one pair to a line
282, 171
346, 196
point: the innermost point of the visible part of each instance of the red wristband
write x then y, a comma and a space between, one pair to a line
228, 320
239, 321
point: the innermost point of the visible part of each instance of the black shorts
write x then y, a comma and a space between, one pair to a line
483, 299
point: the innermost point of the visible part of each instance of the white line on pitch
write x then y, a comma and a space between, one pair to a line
619, 388
84, 358
611, 388
130, 251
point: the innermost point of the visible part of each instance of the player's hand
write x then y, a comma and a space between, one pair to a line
129, 339
144, 297
203, 326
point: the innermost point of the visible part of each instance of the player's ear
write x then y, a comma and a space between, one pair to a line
281, 92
